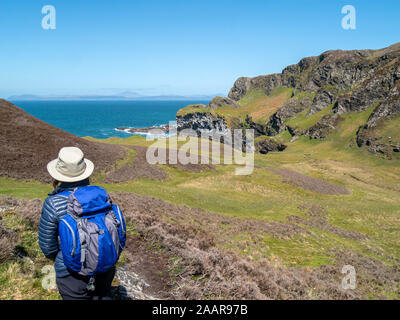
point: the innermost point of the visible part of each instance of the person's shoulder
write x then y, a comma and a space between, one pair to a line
54, 207
56, 200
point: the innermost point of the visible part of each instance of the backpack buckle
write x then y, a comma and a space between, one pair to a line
90, 285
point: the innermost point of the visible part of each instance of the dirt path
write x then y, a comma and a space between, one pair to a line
144, 275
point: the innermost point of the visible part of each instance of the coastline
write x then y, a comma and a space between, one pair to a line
152, 131
100, 119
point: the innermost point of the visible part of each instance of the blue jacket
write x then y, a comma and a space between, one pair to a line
54, 208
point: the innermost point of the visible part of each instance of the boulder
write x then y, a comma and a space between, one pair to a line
267, 145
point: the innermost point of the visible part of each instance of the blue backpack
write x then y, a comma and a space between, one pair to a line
92, 233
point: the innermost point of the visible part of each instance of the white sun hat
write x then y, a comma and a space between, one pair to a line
70, 166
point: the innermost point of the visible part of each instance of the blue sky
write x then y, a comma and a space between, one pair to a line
174, 47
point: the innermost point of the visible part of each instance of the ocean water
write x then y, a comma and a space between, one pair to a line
99, 119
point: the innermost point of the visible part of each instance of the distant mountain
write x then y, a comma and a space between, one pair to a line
126, 95
129, 94
25, 97
176, 97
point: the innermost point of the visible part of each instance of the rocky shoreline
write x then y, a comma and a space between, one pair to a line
162, 129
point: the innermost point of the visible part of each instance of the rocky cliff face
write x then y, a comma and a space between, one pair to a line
201, 121
293, 106
344, 81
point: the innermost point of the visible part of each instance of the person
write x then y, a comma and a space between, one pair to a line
70, 172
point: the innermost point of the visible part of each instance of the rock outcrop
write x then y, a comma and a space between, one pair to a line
324, 127
198, 121
267, 145
276, 123
240, 88
323, 98
344, 81
367, 134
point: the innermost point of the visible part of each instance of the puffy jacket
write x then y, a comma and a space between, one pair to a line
54, 208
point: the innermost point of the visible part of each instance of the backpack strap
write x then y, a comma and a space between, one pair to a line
82, 238
120, 218
64, 194
73, 236
84, 244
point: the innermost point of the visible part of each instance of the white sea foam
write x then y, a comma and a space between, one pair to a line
123, 130
146, 134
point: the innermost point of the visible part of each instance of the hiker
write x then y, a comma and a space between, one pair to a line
80, 229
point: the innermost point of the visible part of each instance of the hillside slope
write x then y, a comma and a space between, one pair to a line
312, 98
283, 232
28, 144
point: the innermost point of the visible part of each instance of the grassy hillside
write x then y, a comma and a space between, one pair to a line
255, 103
389, 131
364, 222
259, 105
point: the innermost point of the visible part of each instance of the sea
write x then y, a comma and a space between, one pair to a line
100, 119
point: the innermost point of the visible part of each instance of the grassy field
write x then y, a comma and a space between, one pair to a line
366, 221
372, 208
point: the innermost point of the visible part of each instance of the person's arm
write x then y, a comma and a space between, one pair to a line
48, 230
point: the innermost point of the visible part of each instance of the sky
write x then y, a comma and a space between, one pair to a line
174, 47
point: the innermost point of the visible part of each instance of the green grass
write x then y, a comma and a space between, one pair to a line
258, 105
304, 94
191, 109
303, 121
389, 131
252, 96
22, 278
299, 251
24, 189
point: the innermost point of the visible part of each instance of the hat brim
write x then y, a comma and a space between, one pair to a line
51, 168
